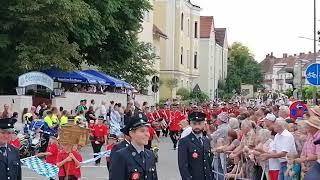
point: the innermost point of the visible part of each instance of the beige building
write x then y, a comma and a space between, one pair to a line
152, 34
180, 21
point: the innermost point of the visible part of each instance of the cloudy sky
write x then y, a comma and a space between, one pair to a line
265, 25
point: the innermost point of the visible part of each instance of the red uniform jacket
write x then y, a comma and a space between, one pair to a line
156, 115
150, 117
176, 117
167, 113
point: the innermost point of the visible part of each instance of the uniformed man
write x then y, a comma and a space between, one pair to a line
194, 152
135, 162
10, 166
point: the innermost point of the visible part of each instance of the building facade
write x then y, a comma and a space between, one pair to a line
180, 21
274, 70
213, 56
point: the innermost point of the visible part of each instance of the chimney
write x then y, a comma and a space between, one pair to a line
309, 52
272, 54
267, 55
295, 55
285, 55
301, 54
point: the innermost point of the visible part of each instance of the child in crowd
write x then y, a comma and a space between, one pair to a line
112, 140
293, 168
15, 141
68, 162
51, 152
75, 150
237, 171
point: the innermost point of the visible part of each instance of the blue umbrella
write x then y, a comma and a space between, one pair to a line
92, 79
67, 77
115, 82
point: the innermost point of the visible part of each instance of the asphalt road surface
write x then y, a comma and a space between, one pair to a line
167, 166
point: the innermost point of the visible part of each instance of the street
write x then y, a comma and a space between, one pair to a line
167, 165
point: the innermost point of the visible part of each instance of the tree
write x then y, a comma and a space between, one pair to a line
39, 34
137, 68
289, 93
172, 83
184, 93
242, 69
199, 96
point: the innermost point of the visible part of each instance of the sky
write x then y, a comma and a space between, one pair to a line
265, 26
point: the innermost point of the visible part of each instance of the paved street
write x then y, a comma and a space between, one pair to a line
167, 166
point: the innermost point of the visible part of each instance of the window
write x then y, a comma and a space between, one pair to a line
181, 56
181, 21
196, 29
195, 61
188, 59
188, 27
147, 16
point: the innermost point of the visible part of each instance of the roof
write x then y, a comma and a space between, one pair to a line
189, 1
268, 63
220, 35
206, 26
158, 31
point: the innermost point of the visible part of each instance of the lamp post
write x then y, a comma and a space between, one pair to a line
314, 30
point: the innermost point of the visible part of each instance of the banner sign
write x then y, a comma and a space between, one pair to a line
35, 78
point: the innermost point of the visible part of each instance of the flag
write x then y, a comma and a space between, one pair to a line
98, 156
40, 167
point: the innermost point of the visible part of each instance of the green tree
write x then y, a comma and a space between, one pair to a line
289, 93
137, 68
38, 34
172, 83
199, 96
184, 93
242, 69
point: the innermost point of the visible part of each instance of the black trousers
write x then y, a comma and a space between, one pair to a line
96, 149
165, 132
158, 133
174, 138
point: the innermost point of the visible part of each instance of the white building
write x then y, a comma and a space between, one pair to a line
274, 70
213, 56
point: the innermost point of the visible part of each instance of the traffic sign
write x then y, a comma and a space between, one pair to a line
155, 80
313, 74
155, 88
297, 109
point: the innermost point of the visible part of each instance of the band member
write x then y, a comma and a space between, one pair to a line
166, 115
135, 162
174, 124
10, 166
194, 152
156, 125
149, 114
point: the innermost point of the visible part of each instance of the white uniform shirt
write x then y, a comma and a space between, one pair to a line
284, 142
186, 131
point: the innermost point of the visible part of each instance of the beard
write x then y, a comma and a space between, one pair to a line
197, 131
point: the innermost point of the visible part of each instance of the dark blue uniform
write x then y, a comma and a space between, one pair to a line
194, 158
127, 164
117, 147
10, 166
123, 144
